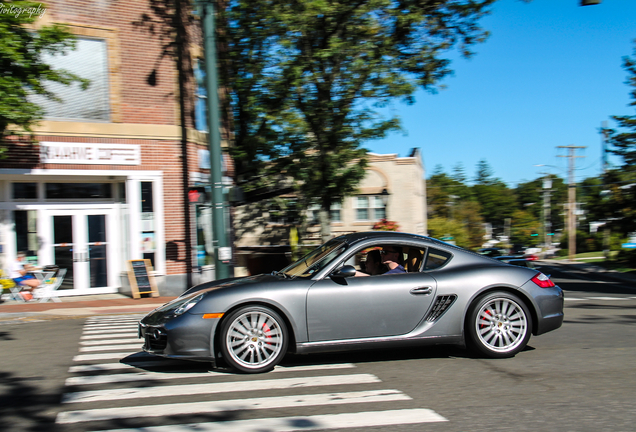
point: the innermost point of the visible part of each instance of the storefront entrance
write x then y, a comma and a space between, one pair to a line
80, 241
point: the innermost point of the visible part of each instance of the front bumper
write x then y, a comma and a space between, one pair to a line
186, 337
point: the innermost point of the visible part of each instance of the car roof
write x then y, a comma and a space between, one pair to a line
357, 237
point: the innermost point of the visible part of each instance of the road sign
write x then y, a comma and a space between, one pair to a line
629, 245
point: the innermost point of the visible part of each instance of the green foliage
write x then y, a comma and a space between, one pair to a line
620, 197
22, 47
306, 79
524, 224
441, 228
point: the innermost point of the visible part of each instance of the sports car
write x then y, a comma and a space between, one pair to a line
325, 301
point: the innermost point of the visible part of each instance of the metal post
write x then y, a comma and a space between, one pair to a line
222, 252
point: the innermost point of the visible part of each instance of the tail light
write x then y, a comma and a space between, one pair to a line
543, 281
532, 257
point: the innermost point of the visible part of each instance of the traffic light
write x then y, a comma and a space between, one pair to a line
197, 195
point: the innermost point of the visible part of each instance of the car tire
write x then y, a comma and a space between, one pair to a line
498, 325
253, 339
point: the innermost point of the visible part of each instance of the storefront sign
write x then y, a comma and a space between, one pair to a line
90, 154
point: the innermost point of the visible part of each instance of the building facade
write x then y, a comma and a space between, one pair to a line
394, 188
106, 179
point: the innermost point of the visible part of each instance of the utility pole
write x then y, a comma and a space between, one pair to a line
222, 252
547, 224
605, 134
571, 199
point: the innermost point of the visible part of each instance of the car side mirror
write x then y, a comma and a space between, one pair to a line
344, 272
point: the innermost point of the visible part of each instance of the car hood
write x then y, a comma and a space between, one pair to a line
167, 310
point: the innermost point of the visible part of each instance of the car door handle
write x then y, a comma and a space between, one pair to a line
422, 290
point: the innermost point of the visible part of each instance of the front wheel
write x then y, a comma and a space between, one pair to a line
253, 339
498, 325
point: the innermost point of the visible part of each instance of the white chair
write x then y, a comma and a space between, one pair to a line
48, 290
14, 288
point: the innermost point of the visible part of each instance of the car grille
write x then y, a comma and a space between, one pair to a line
155, 339
441, 305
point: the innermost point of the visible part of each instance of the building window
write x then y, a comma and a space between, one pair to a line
78, 190
336, 212
369, 208
26, 234
25, 190
89, 60
201, 103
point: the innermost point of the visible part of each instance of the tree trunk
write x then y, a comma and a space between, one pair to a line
325, 224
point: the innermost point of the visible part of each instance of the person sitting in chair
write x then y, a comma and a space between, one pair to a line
21, 276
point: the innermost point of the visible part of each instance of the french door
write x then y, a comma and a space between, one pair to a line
81, 242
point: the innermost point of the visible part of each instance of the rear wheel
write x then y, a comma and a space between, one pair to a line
498, 325
253, 339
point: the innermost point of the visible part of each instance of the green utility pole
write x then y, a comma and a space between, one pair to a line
222, 252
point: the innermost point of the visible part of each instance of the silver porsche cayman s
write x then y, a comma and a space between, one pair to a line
364, 290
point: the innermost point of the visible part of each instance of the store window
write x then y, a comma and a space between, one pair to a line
26, 233
148, 222
89, 60
369, 208
25, 190
78, 190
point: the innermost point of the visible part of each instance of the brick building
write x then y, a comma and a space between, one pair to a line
106, 179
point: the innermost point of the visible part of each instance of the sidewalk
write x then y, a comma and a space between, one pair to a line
82, 306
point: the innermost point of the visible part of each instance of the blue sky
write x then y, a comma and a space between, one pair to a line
549, 75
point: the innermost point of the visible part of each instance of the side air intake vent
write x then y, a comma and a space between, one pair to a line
441, 305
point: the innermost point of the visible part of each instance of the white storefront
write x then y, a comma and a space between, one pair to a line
90, 222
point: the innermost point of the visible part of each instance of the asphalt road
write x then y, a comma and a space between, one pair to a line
578, 378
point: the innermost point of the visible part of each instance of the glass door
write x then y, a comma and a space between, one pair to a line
79, 241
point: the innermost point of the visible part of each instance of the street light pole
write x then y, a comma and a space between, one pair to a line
222, 252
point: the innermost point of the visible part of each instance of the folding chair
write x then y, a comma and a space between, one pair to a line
14, 289
48, 291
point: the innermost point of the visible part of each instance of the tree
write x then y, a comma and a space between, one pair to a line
526, 228
620, 184
23, 47
496, 200
315, 73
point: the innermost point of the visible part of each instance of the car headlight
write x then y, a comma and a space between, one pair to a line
186, 306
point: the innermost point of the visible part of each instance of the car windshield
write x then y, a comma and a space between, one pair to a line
316, 260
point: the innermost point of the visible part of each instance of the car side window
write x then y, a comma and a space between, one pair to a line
436, 258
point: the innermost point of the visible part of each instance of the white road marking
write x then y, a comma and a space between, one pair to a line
315, 422
108, 327
101, 335
293, 401
110, 331
111, 341
136, 345
152, 376
211, 388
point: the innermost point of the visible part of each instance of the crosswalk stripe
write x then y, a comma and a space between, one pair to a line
210, 388
110, 326
114, 318
304, 423
137, 345
110, 331
103, 356
293, 401
101, 335
111, 341
152, 376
